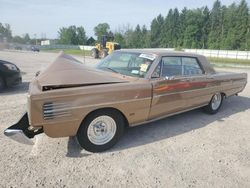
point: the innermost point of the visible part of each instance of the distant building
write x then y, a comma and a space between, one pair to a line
47, 42
91, 41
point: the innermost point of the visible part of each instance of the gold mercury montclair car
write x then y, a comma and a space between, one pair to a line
127, 88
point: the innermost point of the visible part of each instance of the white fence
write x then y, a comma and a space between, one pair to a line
58, 46
214, 53
206, 52
221, 53
86, 47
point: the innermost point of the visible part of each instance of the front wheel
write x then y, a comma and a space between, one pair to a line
215, 104
94, 53
101, 130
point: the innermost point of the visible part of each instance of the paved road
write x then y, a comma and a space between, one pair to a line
188, 150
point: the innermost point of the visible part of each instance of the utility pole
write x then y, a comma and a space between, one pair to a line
35, 39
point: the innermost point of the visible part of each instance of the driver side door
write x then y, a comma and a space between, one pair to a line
171, 91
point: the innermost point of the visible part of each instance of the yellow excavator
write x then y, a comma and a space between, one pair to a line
104, 48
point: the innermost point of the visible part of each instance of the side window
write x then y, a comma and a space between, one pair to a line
191, 66
171, 66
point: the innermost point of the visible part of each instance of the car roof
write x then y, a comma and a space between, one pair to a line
3, 62
160, 52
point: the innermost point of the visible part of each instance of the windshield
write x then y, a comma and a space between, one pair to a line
128, 63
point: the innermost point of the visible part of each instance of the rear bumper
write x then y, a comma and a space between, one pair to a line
22, 132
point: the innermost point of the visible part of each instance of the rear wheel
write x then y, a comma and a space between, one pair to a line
101, 130
94, 53
215, 104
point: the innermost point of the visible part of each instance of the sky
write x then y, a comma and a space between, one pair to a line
45, 17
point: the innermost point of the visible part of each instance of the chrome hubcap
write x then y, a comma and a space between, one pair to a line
101, 130
216, 101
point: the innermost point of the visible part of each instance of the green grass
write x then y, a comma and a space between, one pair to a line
69, 51
228, 61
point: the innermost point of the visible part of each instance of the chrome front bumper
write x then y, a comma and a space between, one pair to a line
21, 131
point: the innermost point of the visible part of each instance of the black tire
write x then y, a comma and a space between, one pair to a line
94, 53
2, 84
104, 53
213, 110
85, 141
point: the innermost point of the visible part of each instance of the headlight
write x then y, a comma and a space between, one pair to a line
10, 67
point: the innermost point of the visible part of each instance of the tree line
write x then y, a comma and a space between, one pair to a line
6, 36
222, 27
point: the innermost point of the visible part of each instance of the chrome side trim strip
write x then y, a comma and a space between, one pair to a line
179, 92
51, 114
106, 104
209, 88
110, 103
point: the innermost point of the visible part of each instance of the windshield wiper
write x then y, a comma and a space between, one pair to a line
112, 70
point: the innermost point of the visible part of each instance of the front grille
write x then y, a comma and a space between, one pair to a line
54, 110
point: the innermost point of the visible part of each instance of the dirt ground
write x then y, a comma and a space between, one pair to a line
187, 150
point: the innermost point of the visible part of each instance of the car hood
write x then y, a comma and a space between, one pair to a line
67, 71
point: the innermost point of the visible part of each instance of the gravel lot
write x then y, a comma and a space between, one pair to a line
188, 150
